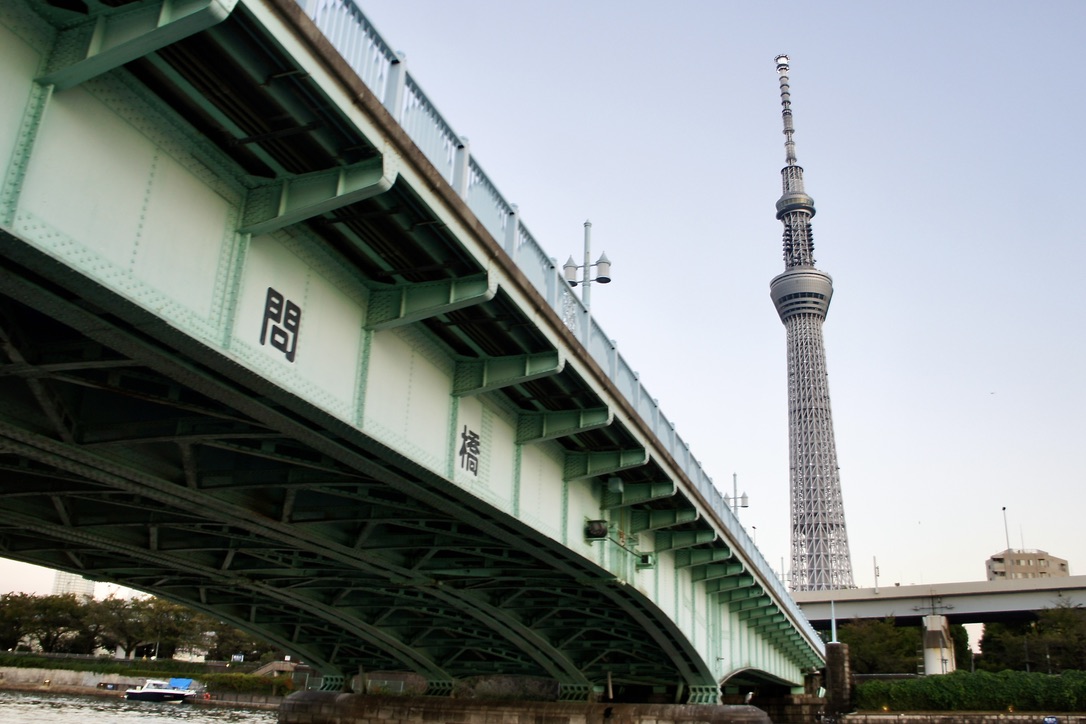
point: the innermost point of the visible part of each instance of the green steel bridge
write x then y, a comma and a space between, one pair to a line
272, 345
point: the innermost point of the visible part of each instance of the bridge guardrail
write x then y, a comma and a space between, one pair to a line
384, 72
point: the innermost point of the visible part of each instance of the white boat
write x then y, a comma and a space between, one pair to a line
174, 690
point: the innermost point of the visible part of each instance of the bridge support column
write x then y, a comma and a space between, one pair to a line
323, 707
838, 679
938, 646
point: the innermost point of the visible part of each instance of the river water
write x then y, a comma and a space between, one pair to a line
17, 707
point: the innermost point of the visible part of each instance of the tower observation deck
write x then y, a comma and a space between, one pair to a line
820, 554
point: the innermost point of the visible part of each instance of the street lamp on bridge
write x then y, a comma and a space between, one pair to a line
603, 269
735, 501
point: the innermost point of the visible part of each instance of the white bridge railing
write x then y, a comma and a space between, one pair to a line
384, 71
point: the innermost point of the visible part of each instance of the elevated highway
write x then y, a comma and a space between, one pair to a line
967, 602
272, 345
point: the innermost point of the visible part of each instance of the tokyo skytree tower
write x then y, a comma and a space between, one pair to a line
820, 556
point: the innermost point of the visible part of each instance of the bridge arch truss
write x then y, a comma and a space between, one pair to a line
143, 442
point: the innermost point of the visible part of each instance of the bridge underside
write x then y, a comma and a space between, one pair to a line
123, 460
130, 452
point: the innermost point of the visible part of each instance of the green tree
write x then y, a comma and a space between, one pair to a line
1062, 639
170, 626
91, 630
227, 641
880, 647
963, 655
1054, 643
15, 614
146, 626
54, 621
123, 624
1002, 646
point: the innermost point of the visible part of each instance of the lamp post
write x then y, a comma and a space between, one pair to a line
1008, 558
603, 269
736, 502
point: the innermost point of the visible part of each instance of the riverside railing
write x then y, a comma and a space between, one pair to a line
385, 73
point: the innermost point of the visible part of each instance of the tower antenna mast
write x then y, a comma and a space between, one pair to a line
801, 294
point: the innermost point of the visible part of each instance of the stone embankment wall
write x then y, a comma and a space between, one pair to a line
63, 681
319, 707
794, 709
316, 707
234, 700
962, 717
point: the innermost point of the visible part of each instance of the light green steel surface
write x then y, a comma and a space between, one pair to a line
369, 407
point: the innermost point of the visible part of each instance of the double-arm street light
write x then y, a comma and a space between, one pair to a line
735, 501
603, 269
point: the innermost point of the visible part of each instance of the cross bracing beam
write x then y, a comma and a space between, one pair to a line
755, 604
12, 340
540, 426
474, 377
642, 520
700, 556
770, 626
712, 571
678, 540
294, 199
777, 636
788, 641
591, 464
108, 40
409, 303
637, 493
755, 618
740, 594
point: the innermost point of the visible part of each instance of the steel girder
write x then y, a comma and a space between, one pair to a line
168, 483
134, 454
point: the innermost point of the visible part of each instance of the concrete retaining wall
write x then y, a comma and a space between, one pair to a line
232, 700
63, 681
962, 717
12, 677
794, 709
319, 707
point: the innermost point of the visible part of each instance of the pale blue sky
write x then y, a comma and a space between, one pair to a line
941, 143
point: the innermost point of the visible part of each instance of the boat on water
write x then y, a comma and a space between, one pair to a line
174, 690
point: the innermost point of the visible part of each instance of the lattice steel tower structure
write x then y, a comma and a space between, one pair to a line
820, 556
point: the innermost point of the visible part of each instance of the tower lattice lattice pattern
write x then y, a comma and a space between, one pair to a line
820, 554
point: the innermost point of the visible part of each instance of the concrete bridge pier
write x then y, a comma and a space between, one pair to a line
325, 707
938, 646
838, 680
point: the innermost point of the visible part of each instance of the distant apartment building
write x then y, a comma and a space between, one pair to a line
64, 583
1025, 564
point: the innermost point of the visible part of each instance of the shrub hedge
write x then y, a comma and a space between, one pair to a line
248, 684
979, 691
